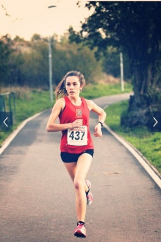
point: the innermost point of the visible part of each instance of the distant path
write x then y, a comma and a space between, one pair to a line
108, 100
37, 202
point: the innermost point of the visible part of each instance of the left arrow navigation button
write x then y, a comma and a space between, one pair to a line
5, 122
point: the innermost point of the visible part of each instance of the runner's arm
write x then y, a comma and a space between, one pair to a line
51, 125
98, 110
55, 127
101, 117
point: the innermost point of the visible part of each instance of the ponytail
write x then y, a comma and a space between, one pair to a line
61, 89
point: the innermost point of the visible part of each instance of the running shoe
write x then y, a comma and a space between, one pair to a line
80, 231
89, 195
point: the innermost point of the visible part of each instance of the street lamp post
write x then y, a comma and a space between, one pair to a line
50, 71
50, 64
121, 72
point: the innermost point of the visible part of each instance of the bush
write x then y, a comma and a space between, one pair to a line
78, 58
28, 65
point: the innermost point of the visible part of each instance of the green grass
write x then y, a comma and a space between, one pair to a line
38, 101
148, 143
27, 105
98, 90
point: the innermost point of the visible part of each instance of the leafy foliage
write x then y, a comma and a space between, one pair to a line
26, 63
139, 37
5, 52
134, 28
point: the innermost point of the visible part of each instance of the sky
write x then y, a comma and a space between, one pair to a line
27, 17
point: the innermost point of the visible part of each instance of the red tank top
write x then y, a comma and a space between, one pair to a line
69, 115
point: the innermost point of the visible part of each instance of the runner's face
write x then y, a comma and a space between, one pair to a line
73, 86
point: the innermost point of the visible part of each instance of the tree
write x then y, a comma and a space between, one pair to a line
5, 52
134, 28
36, 37
68, 57
35, 67
28, 62
15, 75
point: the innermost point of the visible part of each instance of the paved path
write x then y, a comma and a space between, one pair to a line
37, 201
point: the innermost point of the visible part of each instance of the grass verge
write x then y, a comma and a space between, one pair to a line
98, 90
27, 104
148, 143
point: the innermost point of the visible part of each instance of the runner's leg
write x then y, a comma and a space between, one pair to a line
82, 168
71, 168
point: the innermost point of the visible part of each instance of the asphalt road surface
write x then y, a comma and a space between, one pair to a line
37, 201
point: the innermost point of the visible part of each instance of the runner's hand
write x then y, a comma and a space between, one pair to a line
77, 123
98, 131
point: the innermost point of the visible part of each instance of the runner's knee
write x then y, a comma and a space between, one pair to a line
79, 184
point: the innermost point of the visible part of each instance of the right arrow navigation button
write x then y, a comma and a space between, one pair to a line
155, 122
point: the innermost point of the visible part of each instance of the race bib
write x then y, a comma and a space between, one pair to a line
77, 136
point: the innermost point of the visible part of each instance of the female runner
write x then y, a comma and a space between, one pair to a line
76, 143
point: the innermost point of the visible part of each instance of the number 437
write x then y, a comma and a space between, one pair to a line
77, 135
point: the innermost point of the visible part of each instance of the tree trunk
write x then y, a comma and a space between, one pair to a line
145, 103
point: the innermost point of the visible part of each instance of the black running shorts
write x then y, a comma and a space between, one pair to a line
68, 157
